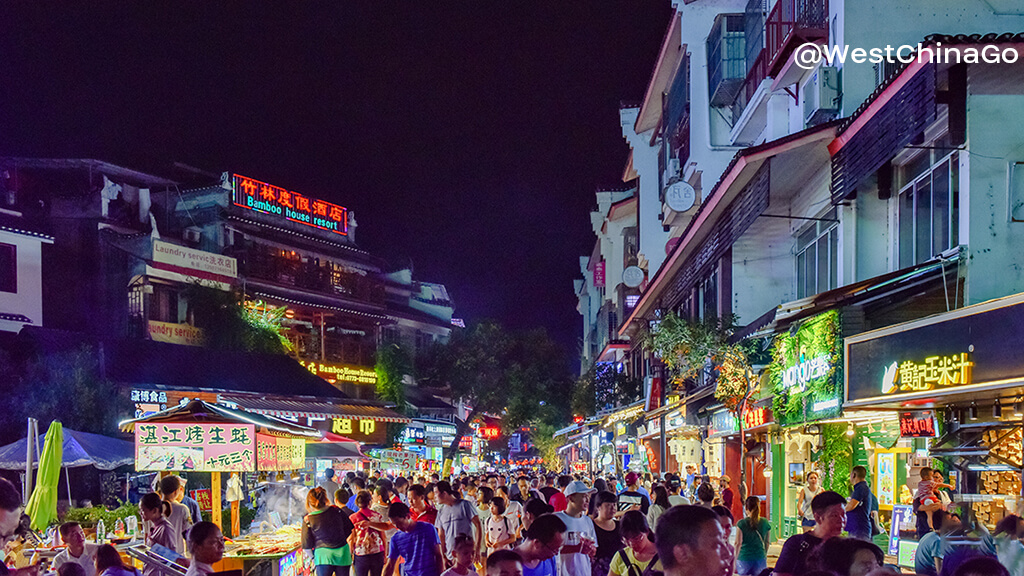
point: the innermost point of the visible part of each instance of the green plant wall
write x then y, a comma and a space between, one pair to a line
819, 336
835, 458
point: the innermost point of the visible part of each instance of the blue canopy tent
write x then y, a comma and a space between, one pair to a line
80, 449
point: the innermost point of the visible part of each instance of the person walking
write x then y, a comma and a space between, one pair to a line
580, 538
640, 556
803, 500
325, 534
752, 539
705, 495
691, 542
543, 542
609, 538
632, 498
416, 542
368, 541
829, 521
659, 506
500, 534
725, 492
458, 516
858, 506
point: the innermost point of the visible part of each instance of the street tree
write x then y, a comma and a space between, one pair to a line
520, 376
695, 350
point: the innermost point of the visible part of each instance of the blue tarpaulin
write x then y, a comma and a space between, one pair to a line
80, 449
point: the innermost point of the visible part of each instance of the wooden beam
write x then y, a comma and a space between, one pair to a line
218, 508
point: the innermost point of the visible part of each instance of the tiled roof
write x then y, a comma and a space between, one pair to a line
314, 408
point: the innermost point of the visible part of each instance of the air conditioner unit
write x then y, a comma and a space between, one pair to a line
821, 96
192, 234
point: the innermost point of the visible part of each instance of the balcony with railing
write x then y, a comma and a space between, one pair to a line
726, 59
790, 24
290, 270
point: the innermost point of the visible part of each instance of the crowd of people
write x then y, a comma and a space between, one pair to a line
561, 525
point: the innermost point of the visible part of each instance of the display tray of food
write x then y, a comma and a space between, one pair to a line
265, 544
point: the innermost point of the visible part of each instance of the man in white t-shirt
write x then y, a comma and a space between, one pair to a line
78, 551
580, 536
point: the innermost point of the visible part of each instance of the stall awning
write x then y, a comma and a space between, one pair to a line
314, 409
204, 412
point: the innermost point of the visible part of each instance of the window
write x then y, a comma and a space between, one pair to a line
8, 268
817, 256
928, 207
707, 292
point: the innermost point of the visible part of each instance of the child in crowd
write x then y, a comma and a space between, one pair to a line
463, 555
501, 534
928, 500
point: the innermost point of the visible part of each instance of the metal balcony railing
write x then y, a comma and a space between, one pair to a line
791, 23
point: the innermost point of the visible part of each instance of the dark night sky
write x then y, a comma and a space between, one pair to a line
467, 136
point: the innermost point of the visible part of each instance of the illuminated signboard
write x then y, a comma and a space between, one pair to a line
296, 563
274, 453
944, 354
341, 373
919, 424
806, 371
363, 430
934, 372
204, 497
197, 447
489, 432
274, 200
885, 479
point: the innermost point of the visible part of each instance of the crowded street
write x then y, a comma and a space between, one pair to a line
379, 288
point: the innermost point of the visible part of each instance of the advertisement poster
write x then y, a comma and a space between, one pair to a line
400, 460
885, 480
902, 519
196, 447
204, 497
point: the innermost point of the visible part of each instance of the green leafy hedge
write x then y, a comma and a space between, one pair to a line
89, 517
836, 458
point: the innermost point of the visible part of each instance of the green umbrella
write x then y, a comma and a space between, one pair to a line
42, 505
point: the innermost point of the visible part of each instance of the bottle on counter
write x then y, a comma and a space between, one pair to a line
101, 532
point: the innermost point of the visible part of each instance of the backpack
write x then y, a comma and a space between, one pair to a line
634, 571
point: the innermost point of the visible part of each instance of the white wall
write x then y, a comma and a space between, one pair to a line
28, 300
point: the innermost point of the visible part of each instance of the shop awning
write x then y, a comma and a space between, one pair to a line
289, 408
202, 412
334, 450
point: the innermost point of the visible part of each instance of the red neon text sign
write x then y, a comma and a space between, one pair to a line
490, 432
269, 199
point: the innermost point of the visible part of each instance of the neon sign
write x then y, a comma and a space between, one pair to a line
934, 372
917, 424
269, 199
799, 375
339, 372
489, 432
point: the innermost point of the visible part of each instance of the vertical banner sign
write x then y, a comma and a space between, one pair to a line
885, 480
599, 269
274, 200
197, 447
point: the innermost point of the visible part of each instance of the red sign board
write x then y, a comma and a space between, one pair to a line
205, 499
754, 417
599, 274
920, 424
269, 199
489, 432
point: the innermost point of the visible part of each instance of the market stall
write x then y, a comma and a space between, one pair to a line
204, 437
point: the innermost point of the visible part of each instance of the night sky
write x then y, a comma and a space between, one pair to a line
467, 137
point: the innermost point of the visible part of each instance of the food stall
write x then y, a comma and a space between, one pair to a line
205, 437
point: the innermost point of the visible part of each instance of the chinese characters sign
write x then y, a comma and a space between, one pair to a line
934, 372
274, 453
269, 199
398, 460
364, 430
204, 497
917, 424
340, 373
198, 447
599, 274
188, 260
